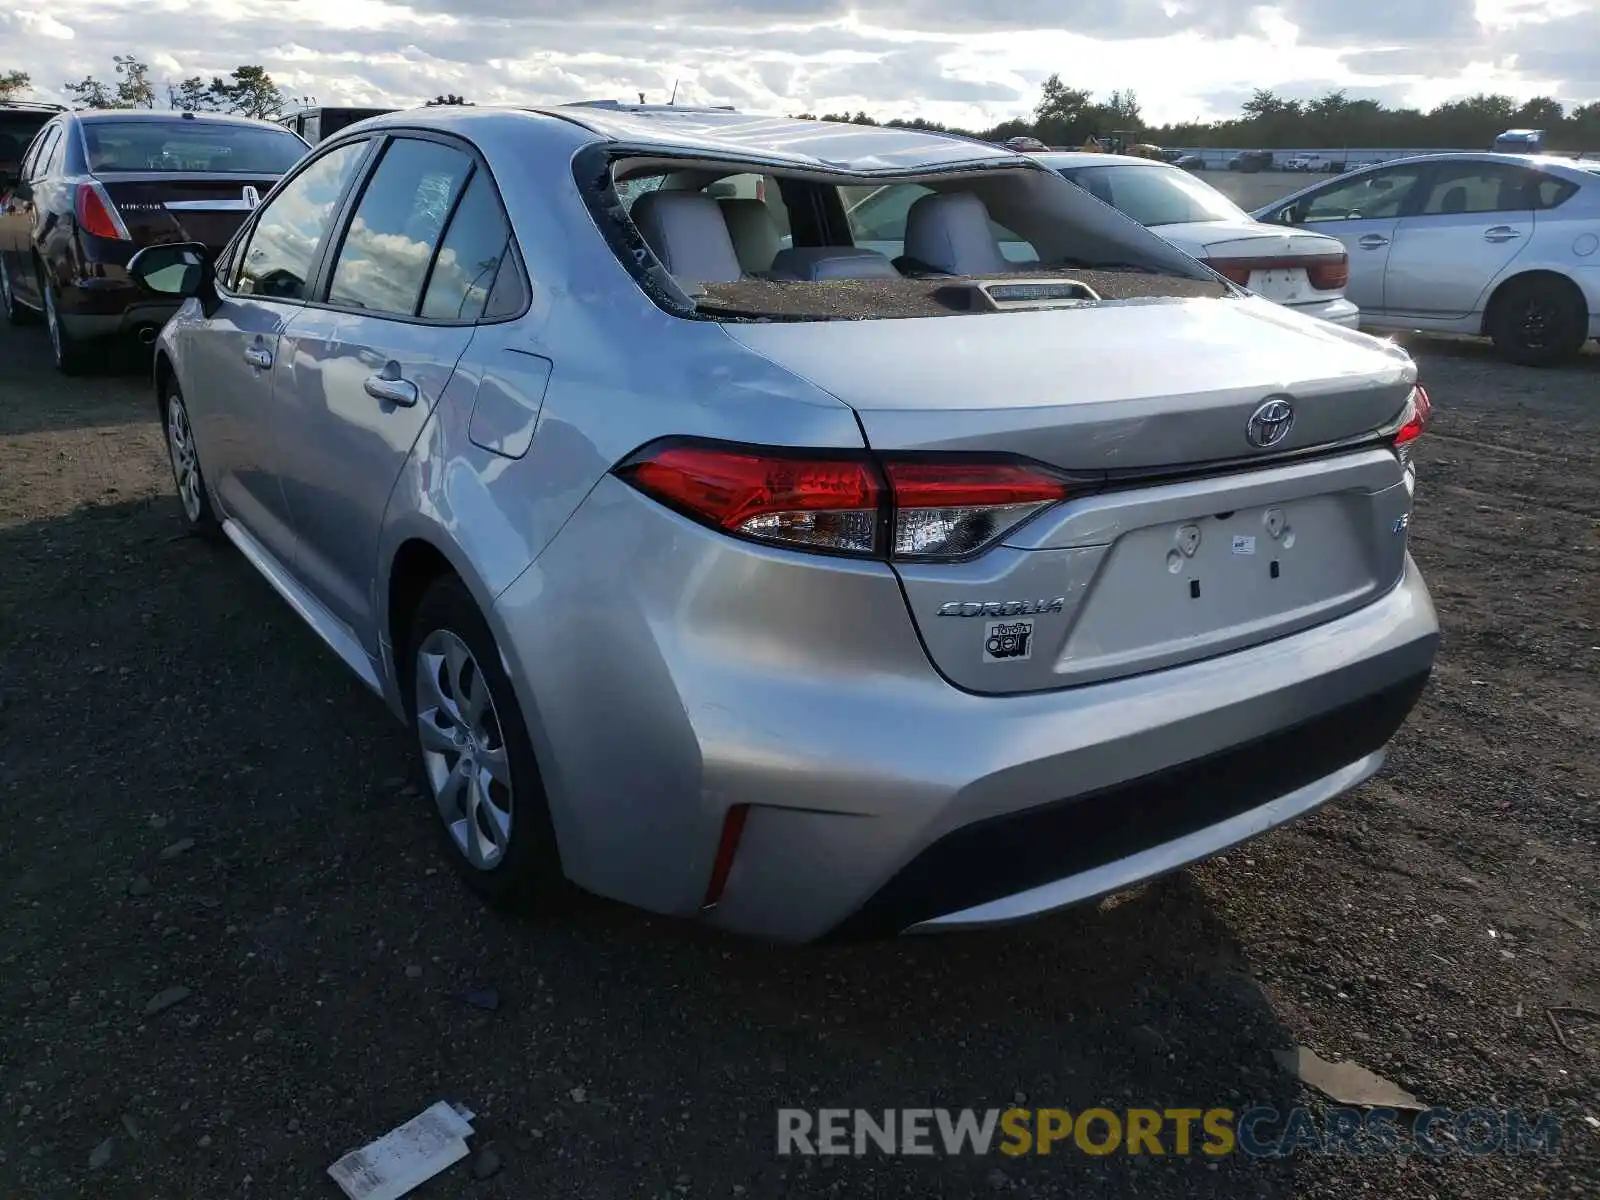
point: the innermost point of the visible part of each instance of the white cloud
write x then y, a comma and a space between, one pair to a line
968, 61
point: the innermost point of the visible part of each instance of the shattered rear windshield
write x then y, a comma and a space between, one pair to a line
744, 245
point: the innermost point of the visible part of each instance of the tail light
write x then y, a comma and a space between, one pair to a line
1412, 424
904, 509
1325, 272
1329, 274
97, 215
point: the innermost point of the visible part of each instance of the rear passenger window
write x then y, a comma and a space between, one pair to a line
40, 159
288, 234
383, 262
1548, 191
470, 255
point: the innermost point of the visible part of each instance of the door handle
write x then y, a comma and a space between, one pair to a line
258, 357
1373, 241
1500, 233
396, 391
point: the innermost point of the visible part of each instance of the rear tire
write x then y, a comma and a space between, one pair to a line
71, 355
479, 772
1538, 322
15, 312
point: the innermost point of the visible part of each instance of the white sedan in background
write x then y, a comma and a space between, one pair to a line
1299, 269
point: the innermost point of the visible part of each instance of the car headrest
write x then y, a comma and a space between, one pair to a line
754, 230
688, 235
816, 263
949, 232
1454, 200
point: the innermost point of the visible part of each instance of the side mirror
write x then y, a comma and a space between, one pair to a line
179, 270
1290, 215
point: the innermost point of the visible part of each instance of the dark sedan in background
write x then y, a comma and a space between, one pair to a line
95, 187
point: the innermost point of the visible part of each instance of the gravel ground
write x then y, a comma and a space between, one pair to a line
195, 796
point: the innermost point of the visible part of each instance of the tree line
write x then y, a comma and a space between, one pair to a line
1066, 116
248, 91
1063, 116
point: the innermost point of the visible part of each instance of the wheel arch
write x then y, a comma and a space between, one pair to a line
420, 555
162, 375
1530, 274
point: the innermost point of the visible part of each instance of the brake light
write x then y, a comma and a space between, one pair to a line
1325, 272
1329, 274
97, 215
819, 503
1413, 422
909, 509
727, 849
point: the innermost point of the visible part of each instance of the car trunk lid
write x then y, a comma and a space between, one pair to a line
160, 207
1173, 545
1281, 265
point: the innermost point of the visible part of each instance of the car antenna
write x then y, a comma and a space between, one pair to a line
674, 98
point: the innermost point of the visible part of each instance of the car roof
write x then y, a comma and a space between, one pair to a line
155, 117
828, 146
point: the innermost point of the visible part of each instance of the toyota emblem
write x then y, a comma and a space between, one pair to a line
1270, 424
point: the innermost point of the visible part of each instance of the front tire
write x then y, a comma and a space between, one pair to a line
193, 499
478, 764
71, 356
1539, 322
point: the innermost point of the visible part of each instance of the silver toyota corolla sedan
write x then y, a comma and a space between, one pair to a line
1504, 246
732, 569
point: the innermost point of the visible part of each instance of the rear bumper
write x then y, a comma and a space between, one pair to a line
881, 798
1338, 312
105, 307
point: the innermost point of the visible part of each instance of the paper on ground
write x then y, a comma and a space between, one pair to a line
406, 1156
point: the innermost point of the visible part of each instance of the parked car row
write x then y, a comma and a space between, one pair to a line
94, 187
751, 537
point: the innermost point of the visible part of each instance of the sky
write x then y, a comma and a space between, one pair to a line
966, 62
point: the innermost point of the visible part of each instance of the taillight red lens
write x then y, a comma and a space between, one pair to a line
97, 215
1419, 409
823, 503
1329, 274
1235, 269
948, 510
914, 509
1325, 272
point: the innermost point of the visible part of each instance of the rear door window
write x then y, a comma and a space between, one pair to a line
39, 160
1473, 187
383, 263
282, 250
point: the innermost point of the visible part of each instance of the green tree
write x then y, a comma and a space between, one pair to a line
448, 99
249, 92
89, 92
193, 94
13, 83
131, 88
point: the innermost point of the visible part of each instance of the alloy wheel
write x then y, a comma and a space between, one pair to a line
185, 461
463, 750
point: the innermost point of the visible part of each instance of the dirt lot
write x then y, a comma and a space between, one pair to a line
196, 796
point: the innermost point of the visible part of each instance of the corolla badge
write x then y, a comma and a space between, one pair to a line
1270, 423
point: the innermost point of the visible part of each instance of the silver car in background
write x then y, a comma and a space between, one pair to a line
1504, 246
795, 586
